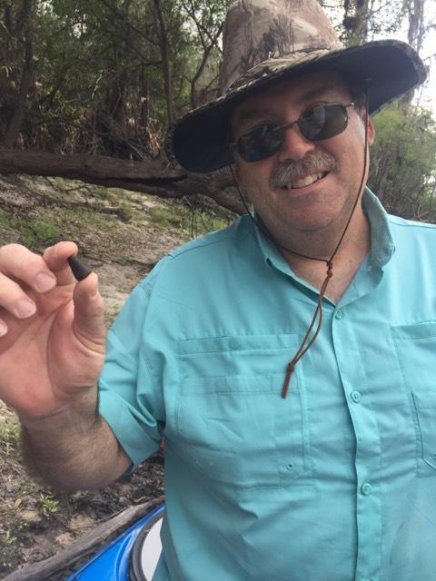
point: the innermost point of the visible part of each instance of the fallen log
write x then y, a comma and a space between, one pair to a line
151, 176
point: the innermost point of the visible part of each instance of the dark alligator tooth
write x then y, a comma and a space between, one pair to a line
80, 271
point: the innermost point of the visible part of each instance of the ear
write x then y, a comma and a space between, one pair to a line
371, 132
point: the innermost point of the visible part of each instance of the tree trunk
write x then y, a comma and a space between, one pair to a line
14, 125
355, 21
415, 35
165, 61
416, 32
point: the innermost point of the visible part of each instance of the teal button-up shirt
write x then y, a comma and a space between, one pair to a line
338, 481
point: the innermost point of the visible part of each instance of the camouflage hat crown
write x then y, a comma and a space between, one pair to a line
265, 33
268, 41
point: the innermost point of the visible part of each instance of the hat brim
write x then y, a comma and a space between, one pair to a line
200, 140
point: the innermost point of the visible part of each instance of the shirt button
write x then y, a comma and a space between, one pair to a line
356, 396
366, 489
339, 314
234, 344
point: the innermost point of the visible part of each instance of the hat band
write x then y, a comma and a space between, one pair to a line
273, 65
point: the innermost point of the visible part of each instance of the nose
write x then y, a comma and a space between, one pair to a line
295, 145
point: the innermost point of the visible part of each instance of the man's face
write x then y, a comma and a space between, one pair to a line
306, 186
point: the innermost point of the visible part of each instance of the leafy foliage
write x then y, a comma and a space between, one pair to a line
98, 70
404, 162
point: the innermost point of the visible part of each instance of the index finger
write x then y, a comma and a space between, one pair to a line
25, 267
58, 259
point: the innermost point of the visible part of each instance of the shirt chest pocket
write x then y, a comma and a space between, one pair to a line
416, 350
232, 424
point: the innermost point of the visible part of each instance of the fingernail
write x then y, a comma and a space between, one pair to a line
3, 329
44, 282
25, 308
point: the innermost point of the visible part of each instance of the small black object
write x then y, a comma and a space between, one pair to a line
80, 271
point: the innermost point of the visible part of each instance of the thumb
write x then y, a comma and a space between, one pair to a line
89, 323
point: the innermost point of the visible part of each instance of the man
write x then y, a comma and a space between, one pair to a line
288, 361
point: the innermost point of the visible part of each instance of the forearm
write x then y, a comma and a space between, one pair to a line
74, 448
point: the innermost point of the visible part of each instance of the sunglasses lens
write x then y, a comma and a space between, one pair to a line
320, 122
260, 142
323, 122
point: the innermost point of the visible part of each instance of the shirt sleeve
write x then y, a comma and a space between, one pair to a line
130, 395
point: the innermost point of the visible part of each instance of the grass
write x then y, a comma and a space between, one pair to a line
9, 437
7, 233
48, 506
188, 221
45, 225
36, 233
12, 528
4, 218
9, 550
86, 217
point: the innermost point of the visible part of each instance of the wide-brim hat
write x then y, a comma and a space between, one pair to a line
269, 41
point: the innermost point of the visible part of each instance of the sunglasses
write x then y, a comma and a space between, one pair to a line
315, 124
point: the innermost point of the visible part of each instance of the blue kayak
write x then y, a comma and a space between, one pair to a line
132, 556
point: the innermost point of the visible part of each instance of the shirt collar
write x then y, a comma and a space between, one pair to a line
382, 245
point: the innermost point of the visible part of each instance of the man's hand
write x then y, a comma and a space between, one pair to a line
52, 338
52, 331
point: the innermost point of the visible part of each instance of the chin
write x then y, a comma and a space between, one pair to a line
306, 224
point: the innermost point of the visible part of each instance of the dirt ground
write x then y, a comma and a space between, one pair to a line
36, 522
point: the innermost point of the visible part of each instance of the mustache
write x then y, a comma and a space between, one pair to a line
291, 171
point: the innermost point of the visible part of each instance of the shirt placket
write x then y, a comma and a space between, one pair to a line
368, 515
